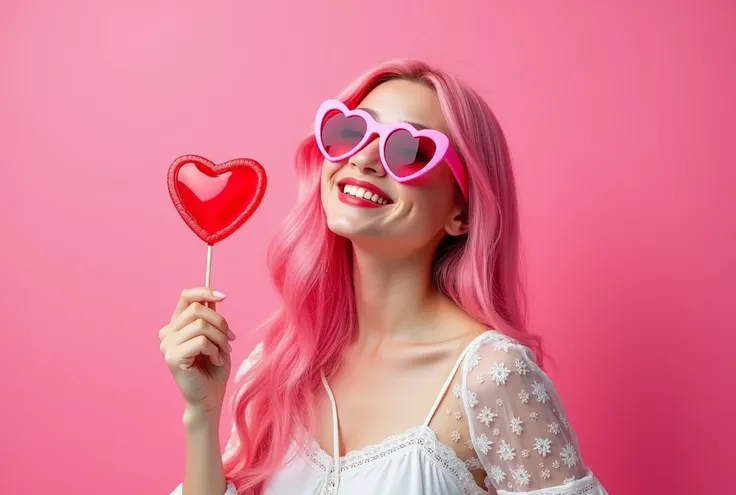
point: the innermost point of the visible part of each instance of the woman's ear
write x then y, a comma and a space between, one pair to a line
458, 222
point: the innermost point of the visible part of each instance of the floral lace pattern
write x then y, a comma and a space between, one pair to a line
586, 486
518, 427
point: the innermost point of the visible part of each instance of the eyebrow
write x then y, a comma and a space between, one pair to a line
375, 115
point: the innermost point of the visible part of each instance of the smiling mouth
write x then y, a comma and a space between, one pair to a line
362, 193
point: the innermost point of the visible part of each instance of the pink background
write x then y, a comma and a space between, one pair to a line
620, 116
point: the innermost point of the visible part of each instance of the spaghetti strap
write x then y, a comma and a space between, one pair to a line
335, 461
444, 388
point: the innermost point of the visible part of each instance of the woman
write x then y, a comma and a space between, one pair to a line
399, 362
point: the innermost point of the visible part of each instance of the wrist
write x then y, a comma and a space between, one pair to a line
199, 415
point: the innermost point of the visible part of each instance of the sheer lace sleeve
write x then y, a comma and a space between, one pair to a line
232, 442
517, 423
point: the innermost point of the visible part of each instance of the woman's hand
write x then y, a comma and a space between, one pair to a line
195, 344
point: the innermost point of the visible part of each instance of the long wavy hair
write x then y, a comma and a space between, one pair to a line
312, 270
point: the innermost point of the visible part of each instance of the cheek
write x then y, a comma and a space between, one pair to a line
329, 169
326, 173
430, 207
431, 202
326, 178
436, 191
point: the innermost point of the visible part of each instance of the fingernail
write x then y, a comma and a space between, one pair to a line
230, 334
220, 360
218, 294
229, 348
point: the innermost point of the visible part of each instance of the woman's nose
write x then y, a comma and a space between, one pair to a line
368, 160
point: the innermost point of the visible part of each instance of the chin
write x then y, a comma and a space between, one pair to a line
352, 223
347, 228
376, 238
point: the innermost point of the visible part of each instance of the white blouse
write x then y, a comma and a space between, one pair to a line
519, 435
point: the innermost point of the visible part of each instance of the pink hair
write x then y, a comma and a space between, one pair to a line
311, 268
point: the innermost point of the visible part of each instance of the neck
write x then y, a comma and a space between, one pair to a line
394, 295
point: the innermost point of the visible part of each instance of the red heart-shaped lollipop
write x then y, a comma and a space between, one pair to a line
215, 199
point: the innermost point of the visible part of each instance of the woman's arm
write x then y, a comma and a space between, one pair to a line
518, 425
204, 474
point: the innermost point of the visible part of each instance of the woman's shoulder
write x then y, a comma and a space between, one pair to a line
497, 366
494, 345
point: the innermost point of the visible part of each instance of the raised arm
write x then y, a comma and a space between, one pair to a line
204, 464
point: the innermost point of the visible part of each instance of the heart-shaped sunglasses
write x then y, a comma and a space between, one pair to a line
406, 153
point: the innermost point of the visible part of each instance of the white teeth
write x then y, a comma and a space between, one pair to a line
362, 193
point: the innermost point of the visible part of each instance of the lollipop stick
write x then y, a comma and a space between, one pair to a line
208, 272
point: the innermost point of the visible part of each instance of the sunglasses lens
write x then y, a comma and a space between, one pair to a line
341, 134
406, 154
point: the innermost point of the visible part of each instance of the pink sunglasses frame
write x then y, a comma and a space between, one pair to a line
443, 148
